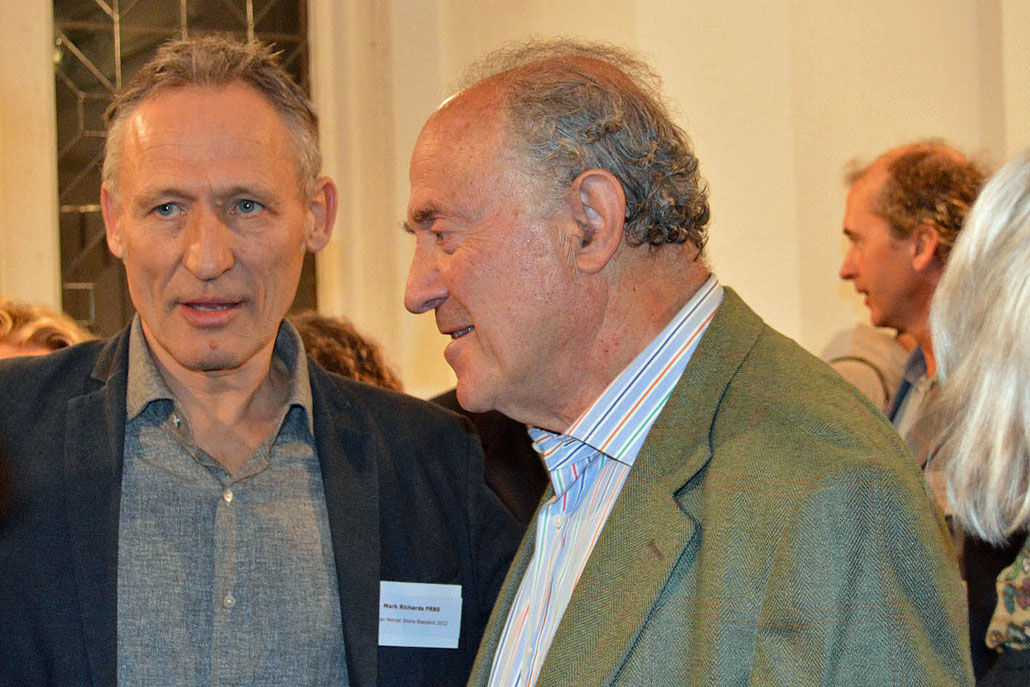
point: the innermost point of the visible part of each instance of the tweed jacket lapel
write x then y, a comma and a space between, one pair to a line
93, 439
505, 598
348, 461
651, 527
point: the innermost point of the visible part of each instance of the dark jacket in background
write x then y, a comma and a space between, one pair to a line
514, 471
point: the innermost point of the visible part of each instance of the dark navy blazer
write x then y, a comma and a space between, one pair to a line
404, 492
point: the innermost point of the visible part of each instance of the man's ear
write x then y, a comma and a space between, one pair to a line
599, 211
109, 211
323, 212
925, 239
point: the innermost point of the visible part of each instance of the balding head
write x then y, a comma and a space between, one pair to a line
927, 183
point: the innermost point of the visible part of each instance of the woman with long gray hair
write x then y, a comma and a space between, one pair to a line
980, 323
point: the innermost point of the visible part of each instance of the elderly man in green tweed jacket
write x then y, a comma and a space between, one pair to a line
723, 509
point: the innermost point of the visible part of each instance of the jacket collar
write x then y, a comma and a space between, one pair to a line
348, 460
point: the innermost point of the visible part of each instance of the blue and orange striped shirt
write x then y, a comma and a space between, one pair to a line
588, 465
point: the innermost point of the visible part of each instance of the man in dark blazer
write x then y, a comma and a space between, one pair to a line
193, 502
723, 508
512, 468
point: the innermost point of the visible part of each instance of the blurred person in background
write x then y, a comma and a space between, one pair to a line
35, 329
980, 323
902, 216
872, 359
903, 213
337, 345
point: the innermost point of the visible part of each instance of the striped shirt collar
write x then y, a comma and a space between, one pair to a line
614, 422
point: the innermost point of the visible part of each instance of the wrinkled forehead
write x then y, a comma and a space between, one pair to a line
473, 118
463, 140
866, 188
206, 124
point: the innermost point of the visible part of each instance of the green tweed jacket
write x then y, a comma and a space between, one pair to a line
773, 531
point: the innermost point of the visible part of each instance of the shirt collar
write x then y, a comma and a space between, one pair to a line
626, 408
915, 366
145, 383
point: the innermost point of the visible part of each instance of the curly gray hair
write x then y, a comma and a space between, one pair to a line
218, 61
573, 106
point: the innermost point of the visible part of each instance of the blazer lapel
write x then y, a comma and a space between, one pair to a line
643, 539
502, 605
94, 433
349, 464
651, 526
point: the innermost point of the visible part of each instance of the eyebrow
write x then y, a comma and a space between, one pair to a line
418, 217
261, 193
421, 215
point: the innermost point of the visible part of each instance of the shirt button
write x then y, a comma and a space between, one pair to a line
227, 495
228, 600
559, 520
529, 652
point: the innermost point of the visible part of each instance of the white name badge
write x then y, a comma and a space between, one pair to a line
419, 614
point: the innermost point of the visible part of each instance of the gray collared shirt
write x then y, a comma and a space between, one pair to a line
913, 419
224, 579
919, 423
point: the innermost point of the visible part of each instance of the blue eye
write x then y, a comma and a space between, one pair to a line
167, 210
247, 207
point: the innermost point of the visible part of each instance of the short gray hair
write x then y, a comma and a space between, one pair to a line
565, 113
980, 323
218, 61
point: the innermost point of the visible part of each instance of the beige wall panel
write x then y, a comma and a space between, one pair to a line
29, 250
867, 76
727, 68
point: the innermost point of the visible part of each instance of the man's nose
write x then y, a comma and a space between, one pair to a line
208, 253
425, 289
847, 266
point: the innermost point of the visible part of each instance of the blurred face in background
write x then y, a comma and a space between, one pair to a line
878, 263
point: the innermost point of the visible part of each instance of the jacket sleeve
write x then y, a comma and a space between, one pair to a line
864, 590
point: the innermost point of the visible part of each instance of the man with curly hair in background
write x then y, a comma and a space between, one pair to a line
723, 508
903, 214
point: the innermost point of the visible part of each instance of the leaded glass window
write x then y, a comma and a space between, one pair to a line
98, 45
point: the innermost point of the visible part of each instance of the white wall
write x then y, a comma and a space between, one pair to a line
777, 95
1014, 73
30, 267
